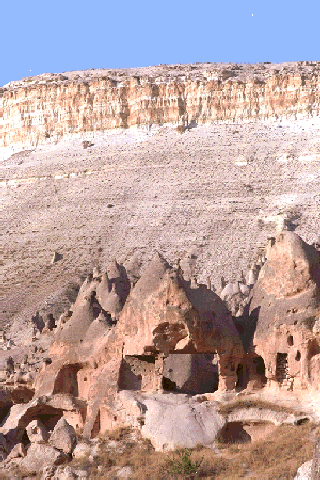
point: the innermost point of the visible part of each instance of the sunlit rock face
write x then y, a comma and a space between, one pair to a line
285, 306
47, 107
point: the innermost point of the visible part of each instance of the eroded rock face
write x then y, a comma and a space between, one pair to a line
63, 436
163, 315
108, 99
169, 333
285, 306
177, 318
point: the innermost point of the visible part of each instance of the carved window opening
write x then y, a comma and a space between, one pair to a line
290, 340
67, 381
298, 356
240, 377
282, 367
260, 368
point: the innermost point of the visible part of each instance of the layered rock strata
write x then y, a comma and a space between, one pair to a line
47, 107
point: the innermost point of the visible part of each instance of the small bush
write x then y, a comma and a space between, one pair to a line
183, 465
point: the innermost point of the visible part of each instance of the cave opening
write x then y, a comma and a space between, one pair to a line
282, 367
233, 432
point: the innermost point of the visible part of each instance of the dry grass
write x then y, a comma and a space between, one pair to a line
140, 455
277, 456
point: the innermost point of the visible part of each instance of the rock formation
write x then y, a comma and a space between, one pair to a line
284, 309
168, 350
45, 108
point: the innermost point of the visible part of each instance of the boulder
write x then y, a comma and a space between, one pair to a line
125, 472
40, 456
64, 473
69, 473
63, 436
82, 450
37, 433
173, 420
304, 472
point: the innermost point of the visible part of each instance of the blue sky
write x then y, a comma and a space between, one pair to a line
56, 36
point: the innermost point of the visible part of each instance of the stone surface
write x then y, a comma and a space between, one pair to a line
66, 473
82, 450
37, 432
125, 472
40, 456
304, 472
175, 422
63, 436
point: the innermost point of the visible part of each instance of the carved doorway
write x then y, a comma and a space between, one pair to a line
282, 367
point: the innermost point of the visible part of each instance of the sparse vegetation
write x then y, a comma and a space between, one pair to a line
181, 463
276, 456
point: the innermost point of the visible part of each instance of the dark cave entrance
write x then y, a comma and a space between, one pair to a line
259, 365
282, 367
240, 377
233, 432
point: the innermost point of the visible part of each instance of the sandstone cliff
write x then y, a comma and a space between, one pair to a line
46, 107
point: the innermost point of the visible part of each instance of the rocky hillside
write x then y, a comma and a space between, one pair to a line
49, 106
161, 266
202, 191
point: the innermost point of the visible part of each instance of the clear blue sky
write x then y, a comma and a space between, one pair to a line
56, 36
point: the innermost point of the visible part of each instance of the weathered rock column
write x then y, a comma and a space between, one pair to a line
304, 367
158, 373
227, 374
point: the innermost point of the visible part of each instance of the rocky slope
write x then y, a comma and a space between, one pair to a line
47, 107
216, 193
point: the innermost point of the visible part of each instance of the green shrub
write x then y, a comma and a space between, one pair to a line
183, 465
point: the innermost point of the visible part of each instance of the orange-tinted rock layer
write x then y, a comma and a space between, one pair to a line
49, 106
